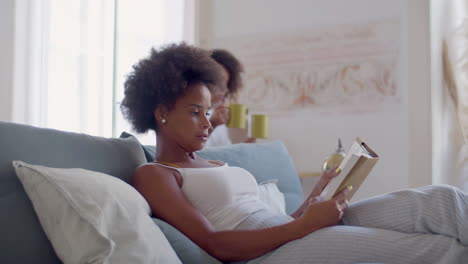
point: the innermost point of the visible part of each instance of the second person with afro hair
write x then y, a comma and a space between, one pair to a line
232, 83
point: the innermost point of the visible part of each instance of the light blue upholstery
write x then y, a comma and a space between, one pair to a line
21, 237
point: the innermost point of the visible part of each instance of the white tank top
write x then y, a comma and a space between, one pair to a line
224, 195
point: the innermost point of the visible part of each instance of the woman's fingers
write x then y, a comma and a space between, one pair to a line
315, 199
342, 194
325, 178
331, 173
341, 205
341, 202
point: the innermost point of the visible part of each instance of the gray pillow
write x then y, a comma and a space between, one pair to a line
22, 238
149, 151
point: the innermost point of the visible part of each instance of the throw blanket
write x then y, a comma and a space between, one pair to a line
425, 225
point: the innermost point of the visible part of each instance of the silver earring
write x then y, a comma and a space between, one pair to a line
164, 121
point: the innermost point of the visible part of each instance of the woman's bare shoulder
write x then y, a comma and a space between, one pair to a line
153, 172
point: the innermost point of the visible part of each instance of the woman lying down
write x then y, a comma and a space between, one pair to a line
217, 206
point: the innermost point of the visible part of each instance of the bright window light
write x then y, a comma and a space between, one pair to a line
92, 46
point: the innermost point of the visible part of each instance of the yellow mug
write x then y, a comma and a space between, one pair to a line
260, 126
237, 116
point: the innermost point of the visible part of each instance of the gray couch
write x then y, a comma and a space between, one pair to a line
22, 239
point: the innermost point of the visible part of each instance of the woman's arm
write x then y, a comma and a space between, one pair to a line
160, 188
316, 191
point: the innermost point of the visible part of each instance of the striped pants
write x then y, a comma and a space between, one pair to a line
425, 225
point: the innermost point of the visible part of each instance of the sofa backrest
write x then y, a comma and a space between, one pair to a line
22, 238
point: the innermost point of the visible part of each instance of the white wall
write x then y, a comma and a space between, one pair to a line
419, 93
7, 18
402, 135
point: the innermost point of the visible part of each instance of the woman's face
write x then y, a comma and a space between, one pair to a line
187, 122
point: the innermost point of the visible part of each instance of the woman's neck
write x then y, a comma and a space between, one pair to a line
170, 152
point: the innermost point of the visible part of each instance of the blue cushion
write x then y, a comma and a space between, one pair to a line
22, 238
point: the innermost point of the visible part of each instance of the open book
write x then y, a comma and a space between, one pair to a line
355, 167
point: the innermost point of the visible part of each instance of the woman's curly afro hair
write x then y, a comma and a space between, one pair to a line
163, 77
233, 67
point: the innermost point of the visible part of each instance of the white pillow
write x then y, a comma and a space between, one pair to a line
270, 194
92, 217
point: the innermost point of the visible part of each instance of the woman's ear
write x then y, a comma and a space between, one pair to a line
160, 113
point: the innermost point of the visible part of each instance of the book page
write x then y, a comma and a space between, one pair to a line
355, 148
346, 166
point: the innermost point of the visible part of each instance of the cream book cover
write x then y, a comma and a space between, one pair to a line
355, 167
